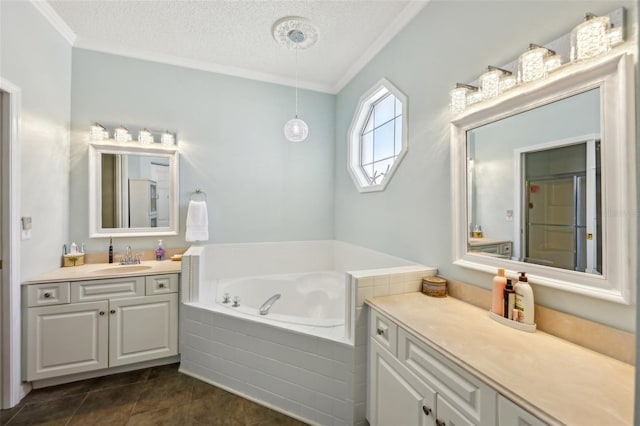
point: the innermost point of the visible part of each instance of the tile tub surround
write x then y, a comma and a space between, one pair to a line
556, 380
158, 395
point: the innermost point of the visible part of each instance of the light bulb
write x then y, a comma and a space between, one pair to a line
590, 38
121, 135
98, 132
145, 137
296, 130
167, 139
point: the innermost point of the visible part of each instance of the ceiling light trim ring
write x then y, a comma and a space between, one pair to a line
285, 27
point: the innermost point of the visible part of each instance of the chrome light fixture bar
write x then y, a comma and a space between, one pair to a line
122, 135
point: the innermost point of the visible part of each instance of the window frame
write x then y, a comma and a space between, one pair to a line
362, 114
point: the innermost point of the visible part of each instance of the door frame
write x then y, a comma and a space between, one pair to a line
12, 390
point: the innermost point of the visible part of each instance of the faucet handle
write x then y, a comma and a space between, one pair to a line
226, 298
236, 301
139, 258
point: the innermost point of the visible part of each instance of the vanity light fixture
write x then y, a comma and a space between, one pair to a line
295, 33
459, 95
98, 132
122, 135
145, 137
593, 37
167, 139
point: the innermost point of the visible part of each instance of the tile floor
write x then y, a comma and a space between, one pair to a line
153, 396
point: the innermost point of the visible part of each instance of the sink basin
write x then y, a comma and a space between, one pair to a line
121, 269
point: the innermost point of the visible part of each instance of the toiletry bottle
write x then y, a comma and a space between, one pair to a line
524, 300
499, 283
110, 250
74, 247
159, 251
509, 300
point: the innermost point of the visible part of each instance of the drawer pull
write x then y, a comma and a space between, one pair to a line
101, 313
161, 285
113, 311
47, 295
380, 332
426, 410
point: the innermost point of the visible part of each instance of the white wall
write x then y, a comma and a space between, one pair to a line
260, 187
36, 58
448, 42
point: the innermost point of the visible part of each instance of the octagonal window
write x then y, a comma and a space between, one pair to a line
377, 137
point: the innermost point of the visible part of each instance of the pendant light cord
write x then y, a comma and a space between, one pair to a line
296, 79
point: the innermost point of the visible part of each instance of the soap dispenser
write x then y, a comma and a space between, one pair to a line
524, 300
159, 251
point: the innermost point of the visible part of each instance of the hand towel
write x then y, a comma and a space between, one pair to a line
197, 221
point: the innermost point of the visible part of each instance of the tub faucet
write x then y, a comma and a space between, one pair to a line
264, 309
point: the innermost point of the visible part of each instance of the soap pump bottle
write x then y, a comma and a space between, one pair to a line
159, 251
509, 300
524, 300
499, 283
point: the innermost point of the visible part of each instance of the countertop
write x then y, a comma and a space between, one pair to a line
556, 380
474, 242
94, 271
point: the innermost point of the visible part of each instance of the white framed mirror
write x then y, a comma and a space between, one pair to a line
133, 190
544, 180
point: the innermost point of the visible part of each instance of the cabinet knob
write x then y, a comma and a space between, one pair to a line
101, 313
380, 332
47, 295
161, 285
441, 423
426, 410
113, 311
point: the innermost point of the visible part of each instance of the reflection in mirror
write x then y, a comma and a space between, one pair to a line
533, 186
133, 190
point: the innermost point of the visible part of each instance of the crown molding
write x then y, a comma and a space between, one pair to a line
407, 14
147, 55
55, 20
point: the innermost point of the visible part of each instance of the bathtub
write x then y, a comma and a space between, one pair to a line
313, 298
307, 356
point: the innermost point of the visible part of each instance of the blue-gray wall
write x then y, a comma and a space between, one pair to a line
448, 42
260, 186
37, 59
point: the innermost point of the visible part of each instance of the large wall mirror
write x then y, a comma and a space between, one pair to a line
132, 190
544, 181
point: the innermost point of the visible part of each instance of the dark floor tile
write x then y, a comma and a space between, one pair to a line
258, 415
165, 417
121, 379
205, 390
225, 411
111, 406
8, 414
49, 413
164, 392
164, 371
60, 391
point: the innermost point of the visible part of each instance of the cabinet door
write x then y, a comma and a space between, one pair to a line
142, 328
66, 339
449, 416
397, 397
509, 414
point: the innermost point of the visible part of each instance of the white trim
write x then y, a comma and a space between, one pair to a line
163, 58
12, 388
403, 18
55, 20
613, 74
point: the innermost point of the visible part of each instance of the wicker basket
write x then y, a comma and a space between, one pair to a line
75, 259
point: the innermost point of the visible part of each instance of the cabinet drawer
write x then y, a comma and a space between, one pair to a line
47, 294
471, 397
85, 291
383, 331
161, 284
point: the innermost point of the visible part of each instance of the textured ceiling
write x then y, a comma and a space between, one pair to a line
235, 37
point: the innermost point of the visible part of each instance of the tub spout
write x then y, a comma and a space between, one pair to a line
264, 309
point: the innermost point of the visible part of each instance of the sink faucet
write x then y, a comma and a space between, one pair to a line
129, 259
264, 309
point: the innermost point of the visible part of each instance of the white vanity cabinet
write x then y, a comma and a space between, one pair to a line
104, 323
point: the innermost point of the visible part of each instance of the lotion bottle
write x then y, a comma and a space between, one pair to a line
509, 300
499, 283
159, 251
524, 300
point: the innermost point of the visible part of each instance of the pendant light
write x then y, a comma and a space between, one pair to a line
296, 130
295, 33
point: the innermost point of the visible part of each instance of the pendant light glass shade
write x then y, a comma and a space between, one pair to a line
296, 130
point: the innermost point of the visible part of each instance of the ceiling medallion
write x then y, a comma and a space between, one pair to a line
294, 32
